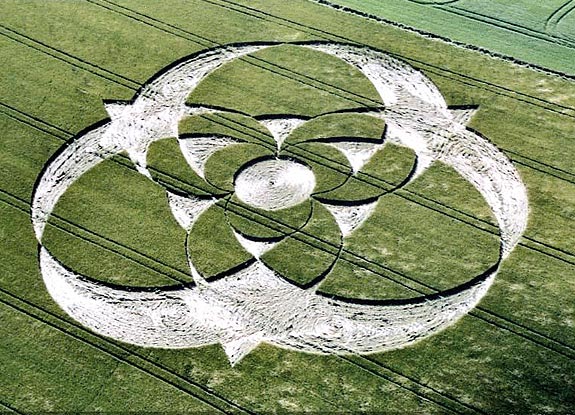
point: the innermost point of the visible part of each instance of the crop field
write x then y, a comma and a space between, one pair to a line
539, 33
369, 223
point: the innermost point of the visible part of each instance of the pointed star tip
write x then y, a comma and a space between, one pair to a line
115, 109
237, 349
463, 115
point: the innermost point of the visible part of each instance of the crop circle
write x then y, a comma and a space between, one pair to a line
274, 184
253, 303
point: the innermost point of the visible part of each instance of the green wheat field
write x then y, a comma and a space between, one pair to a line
514, 353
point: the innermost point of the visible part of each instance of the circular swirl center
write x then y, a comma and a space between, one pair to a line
274, 184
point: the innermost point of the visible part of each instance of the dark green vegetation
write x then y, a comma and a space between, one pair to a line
541, 33
514, 353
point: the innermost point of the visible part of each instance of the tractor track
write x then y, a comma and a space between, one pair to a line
510, 26
440, 208
382, 371
325, 35
558, 15
521, 161
121, 353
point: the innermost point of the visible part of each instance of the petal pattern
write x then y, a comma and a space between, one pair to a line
330, 167
389, 168
317, 246
165, 156
212, 246
273, 235
259, 224
198, 149
223, 166
349, 125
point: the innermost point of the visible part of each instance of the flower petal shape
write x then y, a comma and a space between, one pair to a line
260, 224
212, 247
166, 156
317, 246
352, 125
330, 167
389, 168
224, 122
250, 302
223, 166
198, 149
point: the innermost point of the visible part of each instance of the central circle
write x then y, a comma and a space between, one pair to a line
274, 184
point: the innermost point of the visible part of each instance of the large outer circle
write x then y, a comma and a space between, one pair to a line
238, 311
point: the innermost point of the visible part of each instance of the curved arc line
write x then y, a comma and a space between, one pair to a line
408, 179
218, 110
339, 186
313, 284
85, 138
554, 18
433, 3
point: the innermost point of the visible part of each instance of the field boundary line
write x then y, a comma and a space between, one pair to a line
510, 26
331, 36
310, 29
444, 39
362, 97
557, 107
117, 253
